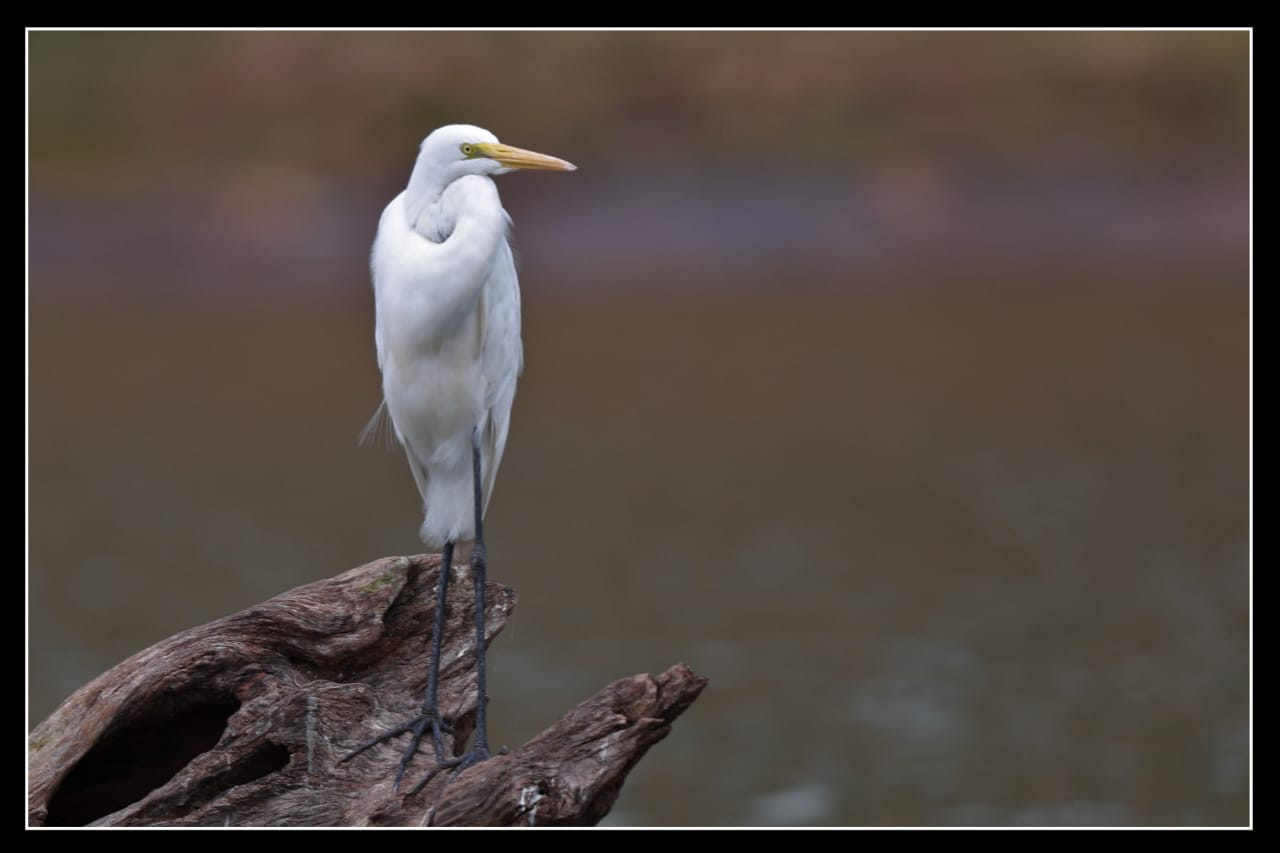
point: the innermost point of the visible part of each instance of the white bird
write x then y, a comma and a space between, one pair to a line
448, 339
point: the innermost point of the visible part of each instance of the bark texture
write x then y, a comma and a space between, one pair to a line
242, 722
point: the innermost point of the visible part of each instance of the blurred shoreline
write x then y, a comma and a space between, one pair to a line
634, 234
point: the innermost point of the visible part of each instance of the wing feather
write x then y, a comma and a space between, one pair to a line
502, 359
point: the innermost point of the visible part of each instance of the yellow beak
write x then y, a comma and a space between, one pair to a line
518, 158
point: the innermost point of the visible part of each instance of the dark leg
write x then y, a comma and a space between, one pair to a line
479, 567
480, 747
431, 705
430, 715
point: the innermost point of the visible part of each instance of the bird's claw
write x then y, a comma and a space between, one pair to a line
417, 727
457, 765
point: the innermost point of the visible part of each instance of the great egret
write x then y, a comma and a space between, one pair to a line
448, 339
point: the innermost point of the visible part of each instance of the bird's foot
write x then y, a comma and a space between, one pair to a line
476, 755
418, 728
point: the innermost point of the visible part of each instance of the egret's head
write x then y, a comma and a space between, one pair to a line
464, 149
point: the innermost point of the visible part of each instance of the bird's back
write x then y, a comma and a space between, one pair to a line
502, 360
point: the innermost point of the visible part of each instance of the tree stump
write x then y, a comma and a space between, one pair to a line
242, 722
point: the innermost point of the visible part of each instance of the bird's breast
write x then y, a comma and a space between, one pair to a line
435, 396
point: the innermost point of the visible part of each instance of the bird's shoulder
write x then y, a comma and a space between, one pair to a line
394, 225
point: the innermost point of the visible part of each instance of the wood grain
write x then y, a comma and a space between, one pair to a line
242, 722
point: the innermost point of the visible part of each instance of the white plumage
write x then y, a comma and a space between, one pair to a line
448, 320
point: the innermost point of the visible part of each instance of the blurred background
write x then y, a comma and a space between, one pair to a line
898, 382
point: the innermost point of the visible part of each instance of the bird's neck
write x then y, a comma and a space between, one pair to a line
426, 185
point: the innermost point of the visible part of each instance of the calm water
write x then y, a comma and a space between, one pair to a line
967, 545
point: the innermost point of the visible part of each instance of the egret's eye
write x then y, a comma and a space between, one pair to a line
468, 149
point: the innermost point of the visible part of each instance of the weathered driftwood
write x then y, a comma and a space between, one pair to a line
243, 721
